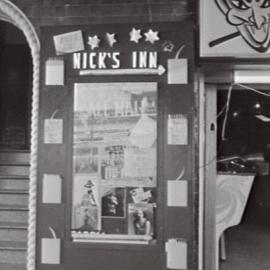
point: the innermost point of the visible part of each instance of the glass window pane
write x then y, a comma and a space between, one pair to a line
114, 162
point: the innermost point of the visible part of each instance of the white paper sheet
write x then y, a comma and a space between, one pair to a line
50, 250
177, 71
144, 133
52, 188
177, 193
176, 254
177, 129
68, 42
54, 72
53, 131
140, 163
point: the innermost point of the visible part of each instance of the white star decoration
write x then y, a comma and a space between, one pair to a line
111, 39
151, 36
93, 42
135, 35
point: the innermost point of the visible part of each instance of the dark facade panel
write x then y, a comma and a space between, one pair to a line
84, 12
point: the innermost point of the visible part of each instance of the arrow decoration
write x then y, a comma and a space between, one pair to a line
136, 71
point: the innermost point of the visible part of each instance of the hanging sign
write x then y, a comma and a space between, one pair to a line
125, 51
68, 42
53, 131
177, 129
109, 63
234, 28
176, 250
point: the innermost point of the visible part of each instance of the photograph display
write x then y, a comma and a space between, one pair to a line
113, 202
114, 158
140, 219
85, 204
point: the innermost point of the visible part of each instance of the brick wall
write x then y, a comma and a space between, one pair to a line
65, 12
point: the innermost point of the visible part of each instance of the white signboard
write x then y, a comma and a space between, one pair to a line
53, 131
177, 129
68, 42
176, 254
234, 29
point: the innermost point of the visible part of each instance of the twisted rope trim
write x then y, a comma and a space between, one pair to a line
14, 15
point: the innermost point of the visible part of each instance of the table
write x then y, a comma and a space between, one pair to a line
232, 191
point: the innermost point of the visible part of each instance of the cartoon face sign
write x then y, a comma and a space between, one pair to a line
251, 18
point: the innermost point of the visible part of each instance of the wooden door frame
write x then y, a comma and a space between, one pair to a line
210, 177
207, 172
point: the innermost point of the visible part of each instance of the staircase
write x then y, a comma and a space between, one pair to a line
14, 180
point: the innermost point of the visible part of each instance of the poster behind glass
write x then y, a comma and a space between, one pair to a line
114, 162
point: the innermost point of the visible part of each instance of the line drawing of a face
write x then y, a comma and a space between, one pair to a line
251, 18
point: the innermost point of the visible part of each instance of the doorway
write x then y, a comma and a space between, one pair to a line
15, 88
239, 154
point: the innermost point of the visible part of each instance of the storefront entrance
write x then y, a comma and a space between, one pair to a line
237, 187
110, 114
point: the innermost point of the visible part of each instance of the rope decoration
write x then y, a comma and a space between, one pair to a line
15, 16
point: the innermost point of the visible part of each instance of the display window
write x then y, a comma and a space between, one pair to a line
117, 144
114, 162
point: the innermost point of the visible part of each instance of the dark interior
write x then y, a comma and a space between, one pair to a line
15, 88
244, 147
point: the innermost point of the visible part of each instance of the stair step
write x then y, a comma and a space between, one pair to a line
13, 252
14, 191
14, 186
17, 182
14, 177
13, 225
13, 245
6, 163
13, 256
14, 197
18, 169
13, 213
8, 266
14, 156
13, 231
13, 207
13, 234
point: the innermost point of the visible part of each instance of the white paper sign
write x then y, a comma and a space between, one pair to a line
177, 71
50, 250
177, 193
140, 162
144, 133
54, 72
68, 42
53, 131
177, 129
176, 254
52, 188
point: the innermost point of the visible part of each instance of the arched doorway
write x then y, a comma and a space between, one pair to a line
15, 90
12, 14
